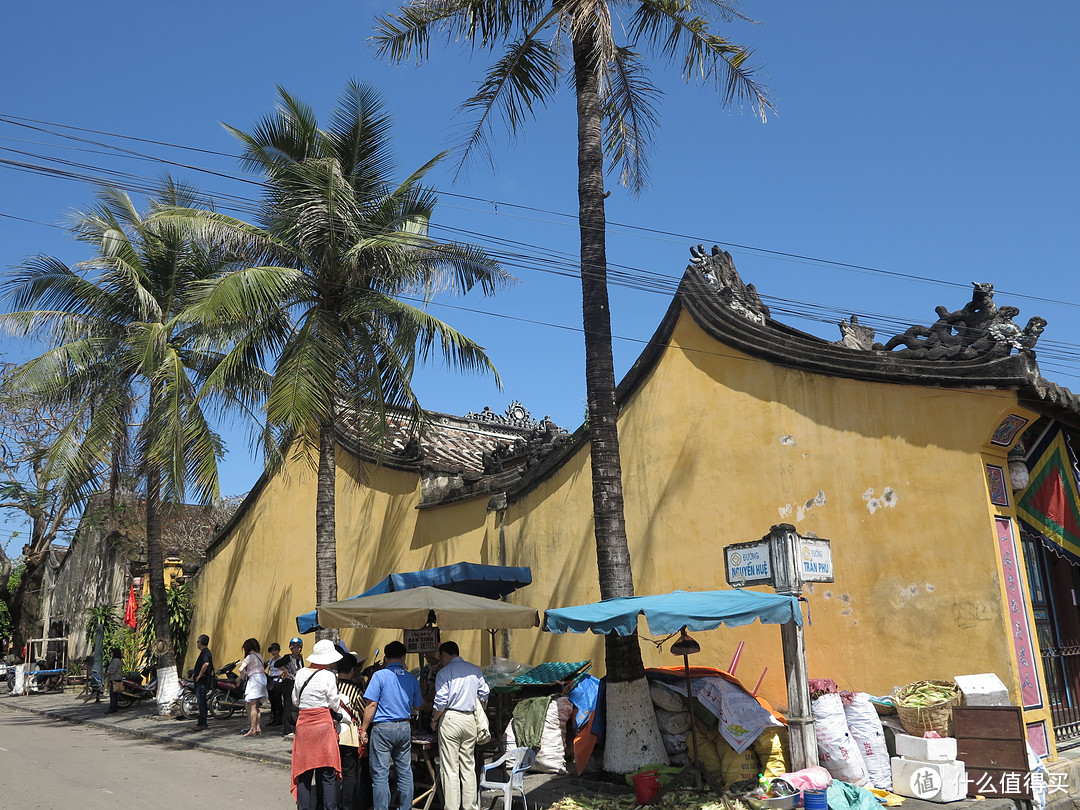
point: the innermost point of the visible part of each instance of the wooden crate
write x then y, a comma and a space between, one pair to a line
992, 743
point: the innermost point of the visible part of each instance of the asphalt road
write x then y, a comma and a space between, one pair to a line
47, 764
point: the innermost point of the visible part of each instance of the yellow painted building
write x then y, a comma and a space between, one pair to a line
730, 423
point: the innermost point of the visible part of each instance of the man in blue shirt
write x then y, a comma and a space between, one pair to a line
392, 695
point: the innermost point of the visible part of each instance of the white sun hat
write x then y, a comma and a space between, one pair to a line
324, 652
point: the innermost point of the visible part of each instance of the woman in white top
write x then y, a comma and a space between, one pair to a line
316, 759
253, 672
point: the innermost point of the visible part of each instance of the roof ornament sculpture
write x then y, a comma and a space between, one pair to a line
855, 335
718, 270
981, 330
527, 450
516, 415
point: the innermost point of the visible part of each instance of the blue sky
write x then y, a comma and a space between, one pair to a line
916, 147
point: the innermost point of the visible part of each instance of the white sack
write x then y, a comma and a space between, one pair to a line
836, 748
664, 698
673, 722
551, 758
865, 727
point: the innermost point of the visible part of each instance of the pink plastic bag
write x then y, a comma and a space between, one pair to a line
813, 778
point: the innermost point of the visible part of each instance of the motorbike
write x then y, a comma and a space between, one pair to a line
228, 694
188, 703
133, 689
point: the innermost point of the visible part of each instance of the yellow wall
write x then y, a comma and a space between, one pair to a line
263, 576
717, 447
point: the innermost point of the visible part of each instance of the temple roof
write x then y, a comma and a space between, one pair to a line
977, 346
506, 455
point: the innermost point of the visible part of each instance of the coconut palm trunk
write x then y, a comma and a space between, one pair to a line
632, 736
168, 681
325, 523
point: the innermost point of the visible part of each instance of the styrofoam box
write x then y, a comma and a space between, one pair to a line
941, 749
983, 690
909, 779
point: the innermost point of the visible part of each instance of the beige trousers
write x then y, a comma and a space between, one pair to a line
457, 760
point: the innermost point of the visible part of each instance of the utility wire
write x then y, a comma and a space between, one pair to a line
536, 258
39, 125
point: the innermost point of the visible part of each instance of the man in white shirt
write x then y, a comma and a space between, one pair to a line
458, 686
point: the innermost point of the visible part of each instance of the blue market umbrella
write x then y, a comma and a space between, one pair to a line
474, 579
671, 612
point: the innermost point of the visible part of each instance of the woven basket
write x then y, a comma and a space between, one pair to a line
917, 721
884, 707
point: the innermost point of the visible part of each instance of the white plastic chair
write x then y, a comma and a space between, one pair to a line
519, 760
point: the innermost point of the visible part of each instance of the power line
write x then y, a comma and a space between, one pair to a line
563, 217
535, 258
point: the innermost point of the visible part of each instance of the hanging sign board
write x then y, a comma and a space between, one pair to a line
748, 563
424, 640
815, 560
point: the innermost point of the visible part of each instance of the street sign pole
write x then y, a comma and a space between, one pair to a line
787, 564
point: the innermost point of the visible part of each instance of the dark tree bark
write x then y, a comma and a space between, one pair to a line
155, 570
325, 525
24, 603
612, 552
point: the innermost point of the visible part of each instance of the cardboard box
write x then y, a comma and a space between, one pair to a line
929, 781
942, 749
983, 690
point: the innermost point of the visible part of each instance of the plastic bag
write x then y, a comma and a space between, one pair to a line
813, 778
501, 671
844, 796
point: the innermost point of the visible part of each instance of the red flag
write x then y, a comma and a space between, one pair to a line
129, 611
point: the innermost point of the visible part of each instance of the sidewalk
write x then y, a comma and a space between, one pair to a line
223, 737
141, 720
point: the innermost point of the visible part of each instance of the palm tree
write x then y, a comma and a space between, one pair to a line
129, 354
615, 119
342, 248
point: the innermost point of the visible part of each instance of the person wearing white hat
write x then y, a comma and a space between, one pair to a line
315, 756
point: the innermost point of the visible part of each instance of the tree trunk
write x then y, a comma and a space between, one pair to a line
168, 682
633, 738
24, 603
325, 525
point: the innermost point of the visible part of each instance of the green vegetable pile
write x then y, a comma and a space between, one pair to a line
925, 694
675, 800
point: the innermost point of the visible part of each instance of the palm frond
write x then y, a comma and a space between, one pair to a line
481, 23
360, 130
630, 117
706, 57
525, 75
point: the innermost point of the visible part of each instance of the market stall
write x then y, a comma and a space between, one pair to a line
679, 612
418, 608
